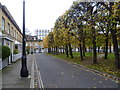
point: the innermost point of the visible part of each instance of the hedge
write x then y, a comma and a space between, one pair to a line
5, 52
16, 51
27, 51
0, 51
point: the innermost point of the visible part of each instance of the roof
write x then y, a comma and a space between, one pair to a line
7, 13
31, 38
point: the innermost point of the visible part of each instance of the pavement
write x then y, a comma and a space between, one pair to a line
11, 75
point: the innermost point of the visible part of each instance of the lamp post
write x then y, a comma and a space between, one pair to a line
24, 70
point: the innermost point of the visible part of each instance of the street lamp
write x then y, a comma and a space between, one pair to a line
24, 70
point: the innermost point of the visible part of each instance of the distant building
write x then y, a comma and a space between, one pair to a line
41, 33
31, 38
33, 44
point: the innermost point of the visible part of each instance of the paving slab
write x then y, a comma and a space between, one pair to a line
11, 75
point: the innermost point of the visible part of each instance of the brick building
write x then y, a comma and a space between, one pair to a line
10, 33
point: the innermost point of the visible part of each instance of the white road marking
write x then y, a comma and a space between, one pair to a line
40, 82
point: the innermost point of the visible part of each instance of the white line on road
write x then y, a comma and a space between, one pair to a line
40, 82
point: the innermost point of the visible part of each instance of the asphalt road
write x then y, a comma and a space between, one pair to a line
55, 73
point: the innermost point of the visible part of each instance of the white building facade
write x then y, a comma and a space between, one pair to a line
41, 33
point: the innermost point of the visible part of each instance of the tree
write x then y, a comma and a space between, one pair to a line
45, 42
113, 19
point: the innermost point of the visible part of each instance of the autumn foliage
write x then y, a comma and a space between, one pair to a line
87, 26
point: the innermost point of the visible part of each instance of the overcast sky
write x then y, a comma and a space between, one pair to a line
40, 14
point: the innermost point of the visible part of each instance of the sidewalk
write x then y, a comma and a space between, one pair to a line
11, 75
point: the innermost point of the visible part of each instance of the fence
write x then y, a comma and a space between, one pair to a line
5, 62
16, 57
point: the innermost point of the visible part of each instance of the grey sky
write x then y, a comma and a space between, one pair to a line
40, 14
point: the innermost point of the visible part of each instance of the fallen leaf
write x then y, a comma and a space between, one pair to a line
62, 73
72, 76
100, 81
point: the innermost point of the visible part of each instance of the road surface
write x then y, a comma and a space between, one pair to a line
55, 73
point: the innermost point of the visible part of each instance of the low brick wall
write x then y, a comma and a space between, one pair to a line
16, 57
3, 63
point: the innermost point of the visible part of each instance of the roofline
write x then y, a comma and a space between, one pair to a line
34, 40
0, 5
7, 13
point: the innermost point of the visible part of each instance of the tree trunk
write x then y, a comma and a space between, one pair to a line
89, 50
78, 49
110, 48
81, 56
66, 49
52, 50
49, 50
70, 50
56, 50
94, 46
81, 40
98, 49
115, 46
83, 47
114, 37
106, 46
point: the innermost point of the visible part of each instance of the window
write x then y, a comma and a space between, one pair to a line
12, 32
7, 43
3, 23
16, 46
8, 28
15, 34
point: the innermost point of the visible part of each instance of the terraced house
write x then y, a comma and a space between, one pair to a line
10, 35
33, 44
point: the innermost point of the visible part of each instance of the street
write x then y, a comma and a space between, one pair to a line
84, 33
55, 73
